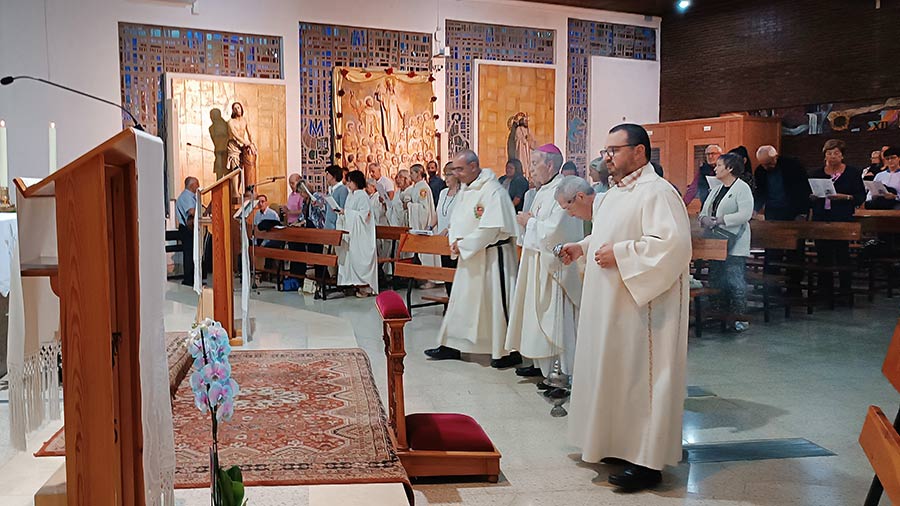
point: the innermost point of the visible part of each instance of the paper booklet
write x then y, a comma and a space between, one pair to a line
421, 232
245, 209
822, 187
877, 189
332, 203
713, 182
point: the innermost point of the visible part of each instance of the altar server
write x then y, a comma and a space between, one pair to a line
357, 262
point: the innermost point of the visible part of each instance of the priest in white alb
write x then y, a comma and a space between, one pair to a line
629, 383
421, 211
481, 235
544, 311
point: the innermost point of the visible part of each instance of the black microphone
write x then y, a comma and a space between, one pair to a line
6, 81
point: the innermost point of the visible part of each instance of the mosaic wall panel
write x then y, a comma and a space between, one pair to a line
323, 47
466, 42
148, 51
594, 38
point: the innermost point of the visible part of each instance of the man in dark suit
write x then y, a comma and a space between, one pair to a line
782, 186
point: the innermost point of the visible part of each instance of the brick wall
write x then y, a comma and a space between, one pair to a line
740, 55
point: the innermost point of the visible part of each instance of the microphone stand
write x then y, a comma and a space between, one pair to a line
6, 81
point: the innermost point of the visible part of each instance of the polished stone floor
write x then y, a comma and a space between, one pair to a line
810, 376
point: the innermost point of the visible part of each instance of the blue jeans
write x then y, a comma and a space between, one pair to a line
728, 277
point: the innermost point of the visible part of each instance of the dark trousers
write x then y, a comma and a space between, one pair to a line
446, 261
795, 276
832, 254
298, 269
270, 263
187, 254
728, 277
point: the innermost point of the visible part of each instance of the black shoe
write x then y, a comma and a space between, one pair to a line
544, 386
528, 372
635, 478
510, 360
443, 353
557, 393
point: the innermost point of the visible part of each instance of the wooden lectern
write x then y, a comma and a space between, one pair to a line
98, 283
221, 208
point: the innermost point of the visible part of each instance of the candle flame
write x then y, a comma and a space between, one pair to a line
52, 125
2, 123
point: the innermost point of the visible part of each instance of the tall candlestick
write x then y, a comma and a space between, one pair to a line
53, 166
4, 161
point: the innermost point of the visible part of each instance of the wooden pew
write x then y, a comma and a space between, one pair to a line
814, 230
768, 236
301, 235
429, 444
883, 225
880, 440
387, 233
703, 249
405, 268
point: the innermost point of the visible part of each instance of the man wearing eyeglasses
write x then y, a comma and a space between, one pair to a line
629, 386
481, 234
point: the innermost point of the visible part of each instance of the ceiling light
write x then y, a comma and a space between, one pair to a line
683, 5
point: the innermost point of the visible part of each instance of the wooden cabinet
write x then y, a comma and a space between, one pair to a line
679, 146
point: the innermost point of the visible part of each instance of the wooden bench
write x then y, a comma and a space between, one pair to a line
703, 249
765, 236
406, 268
429, 444
879, 438
305, 236
882, 225
392, 234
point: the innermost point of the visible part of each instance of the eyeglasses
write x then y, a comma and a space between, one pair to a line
610, 151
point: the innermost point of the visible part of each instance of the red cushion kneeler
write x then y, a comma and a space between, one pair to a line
449, 432
390, 305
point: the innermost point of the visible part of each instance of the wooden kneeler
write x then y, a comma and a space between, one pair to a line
429, 444
879, 438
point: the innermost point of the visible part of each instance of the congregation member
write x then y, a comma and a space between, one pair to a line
185, 207
850, 194
264, 219
382, 182
544, 311
629, 383
782, 186
357, 261
726, 215
890, 178
599, 175
568, 169
748, 163
481, 232
699, 187
295, 213
434, 180
876, 165
515, 182
334, 180
446, 203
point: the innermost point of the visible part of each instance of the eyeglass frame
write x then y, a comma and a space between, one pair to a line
611, 150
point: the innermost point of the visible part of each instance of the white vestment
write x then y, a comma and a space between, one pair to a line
397, 215
423, 216
357, 263
628, 392
379, 214
544, 312
476, 317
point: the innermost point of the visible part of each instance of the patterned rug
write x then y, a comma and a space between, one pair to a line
303, 417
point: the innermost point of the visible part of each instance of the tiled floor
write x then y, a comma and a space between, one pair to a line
811, 376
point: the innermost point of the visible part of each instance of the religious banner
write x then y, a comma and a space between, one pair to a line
383, 116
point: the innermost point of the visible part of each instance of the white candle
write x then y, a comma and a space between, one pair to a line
4, 162
52, 147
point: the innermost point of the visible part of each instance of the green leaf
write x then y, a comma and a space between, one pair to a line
238, 488
226, 488
234, 472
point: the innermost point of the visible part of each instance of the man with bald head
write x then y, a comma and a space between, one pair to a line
548, 294
481, 235
185, 206
782, 186
577, 197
